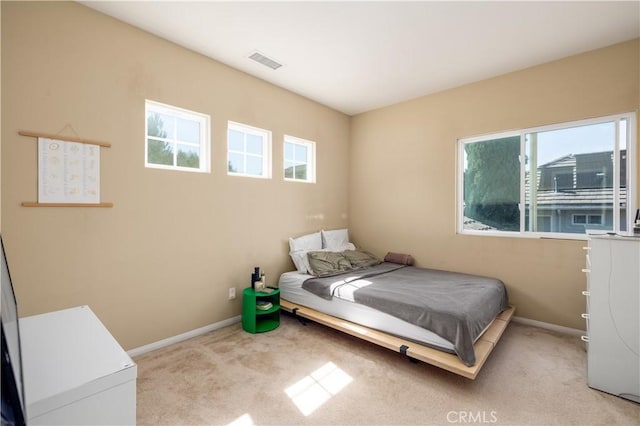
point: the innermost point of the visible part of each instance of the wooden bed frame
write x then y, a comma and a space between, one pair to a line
447, 361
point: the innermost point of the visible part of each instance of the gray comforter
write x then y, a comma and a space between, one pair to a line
455, 306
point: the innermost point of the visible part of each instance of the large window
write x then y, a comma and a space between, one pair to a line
249, 151
176, 138
560, 180
299, 159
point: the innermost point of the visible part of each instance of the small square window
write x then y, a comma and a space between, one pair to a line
248, 151
579, 219
299, 159
595, 219
176, 138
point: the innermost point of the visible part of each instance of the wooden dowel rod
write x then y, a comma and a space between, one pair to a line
35, 204
63, 138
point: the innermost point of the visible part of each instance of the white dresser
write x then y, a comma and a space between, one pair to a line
75, 372
613, 315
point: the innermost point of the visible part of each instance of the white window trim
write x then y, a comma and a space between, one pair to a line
205, 136
266, 149
311, 158
631, 177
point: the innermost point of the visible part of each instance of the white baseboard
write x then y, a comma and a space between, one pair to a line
548, 326
207, 328
180, 337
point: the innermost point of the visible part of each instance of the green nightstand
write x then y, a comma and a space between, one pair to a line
255, 320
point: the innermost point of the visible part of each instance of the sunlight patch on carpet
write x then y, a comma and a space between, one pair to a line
312, 391
243, 420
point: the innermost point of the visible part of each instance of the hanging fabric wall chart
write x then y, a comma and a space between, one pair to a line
68, 172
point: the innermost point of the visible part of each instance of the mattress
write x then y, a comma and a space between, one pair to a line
290, 285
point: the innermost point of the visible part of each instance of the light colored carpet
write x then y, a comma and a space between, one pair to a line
533, 377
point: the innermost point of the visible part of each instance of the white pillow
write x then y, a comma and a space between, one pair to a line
336, 240
349, 246
299, 248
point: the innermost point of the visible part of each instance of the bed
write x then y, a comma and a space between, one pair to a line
455, 325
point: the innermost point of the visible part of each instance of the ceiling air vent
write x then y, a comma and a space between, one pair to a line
268, 62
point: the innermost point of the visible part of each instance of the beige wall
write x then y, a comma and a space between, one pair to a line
403, 174
159, 262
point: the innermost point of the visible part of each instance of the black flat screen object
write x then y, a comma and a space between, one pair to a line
13, 402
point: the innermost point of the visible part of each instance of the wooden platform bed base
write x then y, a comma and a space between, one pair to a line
447, 361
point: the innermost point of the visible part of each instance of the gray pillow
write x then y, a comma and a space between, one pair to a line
325, 263
360, 258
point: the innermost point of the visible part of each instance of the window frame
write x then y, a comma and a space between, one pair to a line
631, 177
574, 216
587, 219
266, 149
177, 112
311, 158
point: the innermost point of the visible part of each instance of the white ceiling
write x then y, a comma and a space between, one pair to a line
361, 55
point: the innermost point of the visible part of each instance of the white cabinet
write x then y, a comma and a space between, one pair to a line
75, 372
613, 317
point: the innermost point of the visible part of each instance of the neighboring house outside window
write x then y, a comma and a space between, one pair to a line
559, 180
299, 159
248, 151
176, 138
